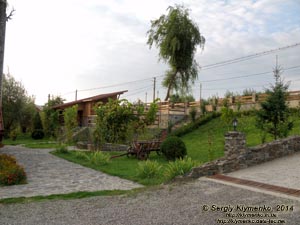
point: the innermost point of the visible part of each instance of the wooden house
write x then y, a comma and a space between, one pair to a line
86, 114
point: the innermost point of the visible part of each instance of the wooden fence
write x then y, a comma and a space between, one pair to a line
176, 111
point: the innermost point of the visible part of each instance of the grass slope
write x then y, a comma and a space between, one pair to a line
197, 141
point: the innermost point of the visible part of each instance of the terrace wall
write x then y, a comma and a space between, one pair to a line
238, 156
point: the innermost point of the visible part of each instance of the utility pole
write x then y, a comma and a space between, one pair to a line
76, 95
200, 93
3, 19
154, 87
146, 98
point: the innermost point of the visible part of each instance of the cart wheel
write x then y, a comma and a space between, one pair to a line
129, 151
142, 155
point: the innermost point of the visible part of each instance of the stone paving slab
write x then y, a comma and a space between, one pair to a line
283, 172
48, 174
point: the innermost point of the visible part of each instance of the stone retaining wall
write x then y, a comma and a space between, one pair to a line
114, 147
238, 156
105, 147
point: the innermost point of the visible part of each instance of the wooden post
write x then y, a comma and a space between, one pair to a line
154, 87
3, 18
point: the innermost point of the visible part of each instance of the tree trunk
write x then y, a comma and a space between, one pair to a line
3, 5
168, 92
170, 86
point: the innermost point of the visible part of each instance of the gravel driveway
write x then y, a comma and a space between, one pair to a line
171, 204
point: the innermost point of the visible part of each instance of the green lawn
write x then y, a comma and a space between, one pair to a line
74, 195
197, 141
124, 167
27, 141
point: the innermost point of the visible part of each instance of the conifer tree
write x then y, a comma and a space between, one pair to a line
273, 118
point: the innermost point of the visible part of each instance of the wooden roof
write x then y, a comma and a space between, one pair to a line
96, 98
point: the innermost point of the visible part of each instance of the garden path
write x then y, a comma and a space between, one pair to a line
280, 175
48, 174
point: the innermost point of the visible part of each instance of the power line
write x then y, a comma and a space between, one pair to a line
248, 57
248, 75
205, 67
138, 90
242, 87
114, 85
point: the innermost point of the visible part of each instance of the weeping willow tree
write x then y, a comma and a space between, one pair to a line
177, 37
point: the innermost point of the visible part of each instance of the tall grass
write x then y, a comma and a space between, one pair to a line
99, 158
81, 155
148, 169
63, 149
179, 167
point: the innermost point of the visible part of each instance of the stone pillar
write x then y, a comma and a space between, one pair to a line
254, 97
235, 145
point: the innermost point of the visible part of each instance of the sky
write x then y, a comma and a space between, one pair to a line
98, 46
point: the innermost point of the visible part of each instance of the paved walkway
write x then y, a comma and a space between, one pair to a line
280, 175
283, 172
48, 174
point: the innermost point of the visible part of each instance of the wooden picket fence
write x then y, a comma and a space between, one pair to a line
166, 107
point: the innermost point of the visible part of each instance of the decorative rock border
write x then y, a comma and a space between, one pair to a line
238, 156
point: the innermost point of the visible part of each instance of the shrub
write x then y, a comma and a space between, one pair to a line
179, 167
6, 159
193, 126
193, 114
70, 120
99, 158
62, 149
148, 169
173, 147
37, 134
13, 134
10, 172
37, 122
81, 155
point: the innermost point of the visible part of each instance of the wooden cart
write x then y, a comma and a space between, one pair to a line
142, 149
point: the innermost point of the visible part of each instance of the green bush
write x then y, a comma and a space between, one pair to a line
173, 147
193, 114
13, 134
4, 159
193, 126
37, 122
62, 149
37, 134
99, 158
179, 167
82, 155
148, 169
10, 172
